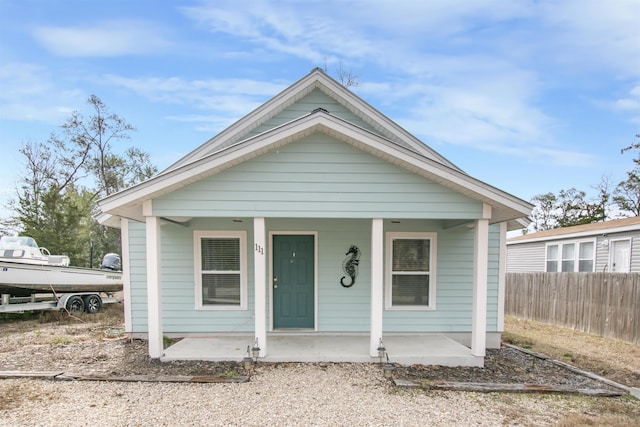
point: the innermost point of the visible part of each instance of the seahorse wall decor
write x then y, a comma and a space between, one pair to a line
350, 266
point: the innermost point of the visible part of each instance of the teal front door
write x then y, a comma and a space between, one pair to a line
293, 281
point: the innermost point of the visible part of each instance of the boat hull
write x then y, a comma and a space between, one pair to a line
22, 279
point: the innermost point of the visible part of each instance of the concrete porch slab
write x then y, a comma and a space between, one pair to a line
424, 349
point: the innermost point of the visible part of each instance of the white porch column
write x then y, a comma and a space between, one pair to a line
126, 275
260, 281
154, 286
480, 271
377, 284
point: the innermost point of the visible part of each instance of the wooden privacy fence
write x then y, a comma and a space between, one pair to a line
605, 304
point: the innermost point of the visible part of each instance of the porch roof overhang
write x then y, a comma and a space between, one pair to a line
129, 203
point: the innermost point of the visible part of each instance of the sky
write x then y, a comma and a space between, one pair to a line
528, 96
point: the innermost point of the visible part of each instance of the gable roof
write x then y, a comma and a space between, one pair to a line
612, 226
316, 79
399, 147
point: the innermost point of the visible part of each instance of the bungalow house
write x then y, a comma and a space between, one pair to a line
609, 246
315, 225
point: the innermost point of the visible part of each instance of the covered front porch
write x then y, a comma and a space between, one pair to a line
405, 349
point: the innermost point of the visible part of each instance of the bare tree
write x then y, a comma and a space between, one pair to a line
346, 77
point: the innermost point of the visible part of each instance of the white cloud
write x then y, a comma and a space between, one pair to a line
630, 104
224, 100
593, 34
30, 93
312, 32
491, 106
461, 97
111, 38
210, 123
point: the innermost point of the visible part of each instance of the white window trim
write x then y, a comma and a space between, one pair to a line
576, 254
197, 252
390, 237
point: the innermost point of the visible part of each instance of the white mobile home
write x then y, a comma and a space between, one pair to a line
609, 246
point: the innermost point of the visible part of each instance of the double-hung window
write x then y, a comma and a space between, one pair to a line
411, 264
552, 258
571, 256
220, 269
568, 257
585, 262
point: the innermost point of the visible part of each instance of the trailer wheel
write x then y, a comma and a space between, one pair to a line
92, 303
75, 304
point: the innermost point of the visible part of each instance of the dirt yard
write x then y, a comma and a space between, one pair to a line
97, 344
616, 360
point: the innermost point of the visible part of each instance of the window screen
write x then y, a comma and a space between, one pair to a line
410, 273
220, 263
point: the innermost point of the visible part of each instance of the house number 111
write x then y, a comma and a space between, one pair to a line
259, 249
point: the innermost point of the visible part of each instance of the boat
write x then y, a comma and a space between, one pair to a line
26, 269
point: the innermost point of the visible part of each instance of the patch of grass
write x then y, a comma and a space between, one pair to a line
519, 340
12, 317
60, 340
13, 396
618, 412
167, 342
614, 359
229, 374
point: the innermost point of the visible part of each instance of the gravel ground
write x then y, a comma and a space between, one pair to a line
277, 394
295, 394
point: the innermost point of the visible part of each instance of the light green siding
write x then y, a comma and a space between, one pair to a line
493, 278
454, 283
138, 276
328, 187
178, 286
340, 309
317, 176
314, 100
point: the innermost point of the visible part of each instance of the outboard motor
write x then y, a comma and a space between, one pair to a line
111, 262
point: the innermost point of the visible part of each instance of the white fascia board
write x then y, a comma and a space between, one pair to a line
254, 118
374, 117
320, 80
108, 220
434, 170
214, 163
296, 129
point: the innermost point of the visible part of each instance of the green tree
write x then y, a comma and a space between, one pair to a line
56, 199
543, 216
569, 207
627, 193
